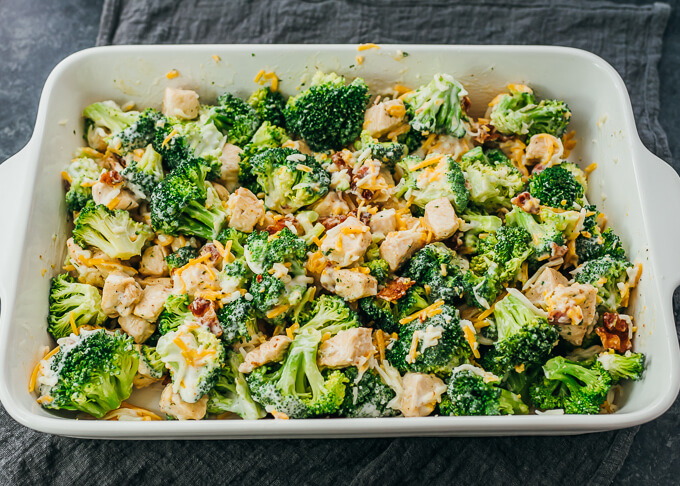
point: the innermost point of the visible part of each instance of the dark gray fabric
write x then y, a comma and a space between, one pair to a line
628, 37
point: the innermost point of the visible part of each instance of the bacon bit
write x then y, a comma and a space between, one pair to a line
614, 334
280, 223
259, 279
370, 45
395, 289
199, 307
111, 178
329, 222
172, 74
211, 250
526, 202
557, 251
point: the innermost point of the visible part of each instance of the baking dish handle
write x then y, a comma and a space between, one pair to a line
662, 215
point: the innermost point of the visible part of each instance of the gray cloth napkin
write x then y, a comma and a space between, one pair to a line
628, 37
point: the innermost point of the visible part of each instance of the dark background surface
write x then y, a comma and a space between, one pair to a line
35, 35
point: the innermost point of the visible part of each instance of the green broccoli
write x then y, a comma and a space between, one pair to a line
194, 356
73, 302
366, 395
379, 269
427, 183
476, 225
141, 133
389, 153
593, 243
330, 114
520, 113
108, 115
175, 313
92, 372
238, 321
231, 392
236, 118
571, 386
184, 203
262, 253
491, 178
150, 363
629, 366
437, 108
441, 344
545, 237
557, 187
289, 179
82, 170
180, 257
605, 273
267, 136
524, 338
113, 232
564, 221
143, 176
269, 105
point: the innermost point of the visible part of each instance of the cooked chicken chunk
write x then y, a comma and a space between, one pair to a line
352, 347
546, 283
180, 103
173, 405
153, 262
141, 381
96, 138
441, 218
572, 309
245, 210
384, 117
422, 392
541, 149
139, 329
347, 242
106, 194
153, 298
349, 284
120, 294
383, 222
400, 245
331, 205
268, 352
230, 159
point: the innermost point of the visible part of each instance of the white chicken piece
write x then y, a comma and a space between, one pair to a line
347, 242
352, 347
141, 381
268, 352
153, 298
96, 138
230, 159
422, 392
400, 245
384, 117
351, 285
245, 210
383, 222
541, 149
106, 194
572, 309
441, 218
120, 294
331, 205
547, 281
180, 103
89, 274
153, 262
139, 329
447, 144
173, 405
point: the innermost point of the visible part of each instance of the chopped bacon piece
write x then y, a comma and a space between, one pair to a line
204, 311
278, 225
526, 202
614, 334
557, 251
330, 222
212, 251
111, 178
395, 289
199, 306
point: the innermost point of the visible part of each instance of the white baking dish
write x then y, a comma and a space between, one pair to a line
639, 193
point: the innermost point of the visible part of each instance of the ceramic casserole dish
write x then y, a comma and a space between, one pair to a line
639, 192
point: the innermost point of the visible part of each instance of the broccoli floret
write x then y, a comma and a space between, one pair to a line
564, 221
270, 292
181, 257
471, 391
194, 356
446, 348
605, 273
92, 372
557, 187
593, 243
366, 396
171, 145
491, 178
382, 313
267, 136
524, 338
289, 179
330, 313
108, 115
262, 253
436, 107
476, 225
545, 237
413, 140
520, 113
415, 299
236, 118
73, 302
141, 133
238, 321
81, 170
150, 363
379, 269
427, 183
231, 392
144, 176
330, 114
389, 153
629, 366
175, 313
571, 386
183, 203
269, 105
238, 241
113, 232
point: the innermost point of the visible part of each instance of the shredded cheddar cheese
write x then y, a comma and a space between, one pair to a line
472, 341
172, 74
429, 311
365, 47
277, 311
